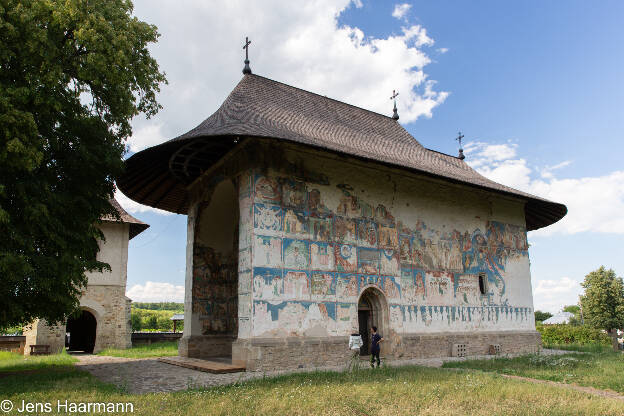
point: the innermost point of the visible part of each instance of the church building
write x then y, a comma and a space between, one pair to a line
310, 219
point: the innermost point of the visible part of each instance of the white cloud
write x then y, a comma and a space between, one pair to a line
400, 10
298, 42
442, 50
156, 292
594, 203
551, 295
146, 136
358, 4
134, 207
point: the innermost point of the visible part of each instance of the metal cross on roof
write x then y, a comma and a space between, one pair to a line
395, 115
459, 138
247, 68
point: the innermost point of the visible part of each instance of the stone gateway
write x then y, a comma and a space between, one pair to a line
103, 320
310, 219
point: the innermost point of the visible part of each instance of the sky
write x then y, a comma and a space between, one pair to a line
535, 87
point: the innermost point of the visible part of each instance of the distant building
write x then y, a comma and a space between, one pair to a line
310, 219
104, 317
559, 318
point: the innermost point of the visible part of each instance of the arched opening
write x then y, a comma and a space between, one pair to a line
215, 272
372, 311
80, 332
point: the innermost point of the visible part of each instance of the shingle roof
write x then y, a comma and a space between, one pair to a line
262, 108
559, 318
136, 226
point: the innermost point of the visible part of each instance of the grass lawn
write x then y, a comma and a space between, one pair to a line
580, 347
388, 391
157, 349
603, 370
10, 361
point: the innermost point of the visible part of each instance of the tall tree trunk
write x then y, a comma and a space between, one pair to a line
614, 338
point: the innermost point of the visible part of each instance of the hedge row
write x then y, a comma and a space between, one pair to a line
153, 320
570, 334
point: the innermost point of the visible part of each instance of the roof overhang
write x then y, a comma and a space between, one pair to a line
159, 176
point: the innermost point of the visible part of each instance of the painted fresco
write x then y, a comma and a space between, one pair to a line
296, 254
267, 189
388, 237
267, 219
389, 262
370, 280
367, 233
267, 251
294, 318
321, 256
345, 258
405, 250
467, 288
296, 284
321, 228
322, 285
294, 194
392, 288
368, 260
322, 253
267, 283
215, 290
346, 315
347, 287
295, 223
439, 287
345, 230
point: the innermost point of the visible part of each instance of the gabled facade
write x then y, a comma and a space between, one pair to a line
310, 219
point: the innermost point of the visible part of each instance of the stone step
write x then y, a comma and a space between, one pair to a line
216, 367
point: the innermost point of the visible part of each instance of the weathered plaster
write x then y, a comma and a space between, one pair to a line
104, 297
422, 242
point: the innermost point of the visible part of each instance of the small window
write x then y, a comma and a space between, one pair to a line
482, 283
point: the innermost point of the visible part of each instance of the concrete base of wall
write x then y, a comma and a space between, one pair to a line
206, 346
271, 354
477, 343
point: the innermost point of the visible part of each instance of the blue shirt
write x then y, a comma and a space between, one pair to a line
375, 342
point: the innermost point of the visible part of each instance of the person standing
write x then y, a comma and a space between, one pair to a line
375, 340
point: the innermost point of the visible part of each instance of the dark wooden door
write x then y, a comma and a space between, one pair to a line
363, 320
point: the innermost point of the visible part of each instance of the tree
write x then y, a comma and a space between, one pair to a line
603, 301
576, 311
542, 316
72, 75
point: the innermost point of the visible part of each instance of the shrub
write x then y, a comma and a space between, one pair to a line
569, 334
153, 320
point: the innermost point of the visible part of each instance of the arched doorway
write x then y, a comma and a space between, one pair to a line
81, 332
372, 311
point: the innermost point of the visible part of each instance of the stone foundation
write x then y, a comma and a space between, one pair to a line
206, 346
477, 343
264, 354
283, 353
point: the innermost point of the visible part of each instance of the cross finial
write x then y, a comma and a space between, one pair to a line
459, 138
395, 115
247, 69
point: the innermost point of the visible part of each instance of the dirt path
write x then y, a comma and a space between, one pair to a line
146, 375
590, 390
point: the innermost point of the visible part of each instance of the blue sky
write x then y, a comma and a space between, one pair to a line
535, 86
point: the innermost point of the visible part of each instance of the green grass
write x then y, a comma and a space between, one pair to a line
10, 361
581, 347
603, 370
157, 349
388, 391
